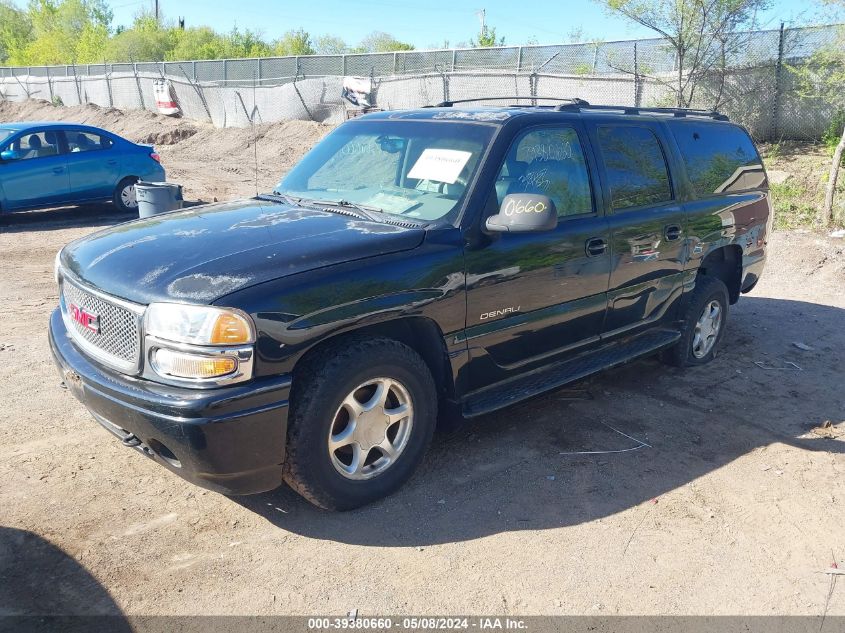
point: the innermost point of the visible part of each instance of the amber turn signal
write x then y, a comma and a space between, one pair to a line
182, 365
230, 329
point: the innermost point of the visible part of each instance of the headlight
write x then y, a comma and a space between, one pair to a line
198, 325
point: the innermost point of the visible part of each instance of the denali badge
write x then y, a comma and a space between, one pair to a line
498, 313
84, 318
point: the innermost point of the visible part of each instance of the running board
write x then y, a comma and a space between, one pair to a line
515, 390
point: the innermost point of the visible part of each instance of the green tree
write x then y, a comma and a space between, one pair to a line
15, 33
380, 42
487, 37
698, 32
296, 42
200, 42
330, 45
246, 44
821, 79
146, 41
58, 28
92, 45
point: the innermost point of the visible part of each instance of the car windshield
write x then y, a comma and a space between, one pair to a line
4, 134
415, 169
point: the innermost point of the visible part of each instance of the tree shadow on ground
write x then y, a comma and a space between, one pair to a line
42, 588
517, 469
93, 215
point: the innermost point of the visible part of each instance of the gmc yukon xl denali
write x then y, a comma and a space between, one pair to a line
413, 264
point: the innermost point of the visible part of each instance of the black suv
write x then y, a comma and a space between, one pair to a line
413, 263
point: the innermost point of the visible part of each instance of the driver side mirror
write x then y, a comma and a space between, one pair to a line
9, 154
524, 213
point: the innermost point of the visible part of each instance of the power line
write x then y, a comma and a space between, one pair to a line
128, 4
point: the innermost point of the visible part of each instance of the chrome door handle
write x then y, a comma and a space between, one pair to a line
596, 246
672, 232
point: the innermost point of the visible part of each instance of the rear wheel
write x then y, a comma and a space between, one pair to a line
362, 416
124, 195
703, 326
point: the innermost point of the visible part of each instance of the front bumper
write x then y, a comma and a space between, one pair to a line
230, 440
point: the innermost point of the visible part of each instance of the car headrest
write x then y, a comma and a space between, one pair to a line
516, 168
34, 141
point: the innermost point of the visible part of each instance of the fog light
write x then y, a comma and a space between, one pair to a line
182, 365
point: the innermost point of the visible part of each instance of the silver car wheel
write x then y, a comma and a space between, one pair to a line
371, 428
707, 329
127, 196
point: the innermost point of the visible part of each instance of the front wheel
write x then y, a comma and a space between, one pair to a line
362, 416
124, 195
703, 324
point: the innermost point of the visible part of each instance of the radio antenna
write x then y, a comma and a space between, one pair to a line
254, 136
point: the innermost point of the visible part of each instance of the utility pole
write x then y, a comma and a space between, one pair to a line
156, 10
482, 17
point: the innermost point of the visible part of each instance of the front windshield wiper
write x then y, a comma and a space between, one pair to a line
344, 207
366, 211
362, 212
280, 197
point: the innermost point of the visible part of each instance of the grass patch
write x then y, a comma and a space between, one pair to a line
794, 206
833, 134
772, 152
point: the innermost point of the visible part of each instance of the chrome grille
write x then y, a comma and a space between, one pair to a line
118, 342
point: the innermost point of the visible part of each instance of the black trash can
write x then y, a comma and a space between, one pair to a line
157, 197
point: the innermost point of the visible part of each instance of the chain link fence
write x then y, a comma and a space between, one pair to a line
754, 87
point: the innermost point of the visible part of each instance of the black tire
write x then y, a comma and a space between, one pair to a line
318, 389
118, 199
707, 290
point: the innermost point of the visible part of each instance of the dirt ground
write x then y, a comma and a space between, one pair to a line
729, 502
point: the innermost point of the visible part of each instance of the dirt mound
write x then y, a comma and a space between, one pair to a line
139, 126
209, 162
169, 137
225, 163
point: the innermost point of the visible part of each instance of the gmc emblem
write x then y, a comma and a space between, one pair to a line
85, 319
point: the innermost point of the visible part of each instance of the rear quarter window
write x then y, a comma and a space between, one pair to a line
719, 158
86, 141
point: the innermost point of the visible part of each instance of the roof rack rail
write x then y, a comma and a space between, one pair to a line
574, 104
575, 101
676, 112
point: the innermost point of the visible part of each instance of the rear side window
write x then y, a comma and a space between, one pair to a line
86, 141
718, 158
635, 165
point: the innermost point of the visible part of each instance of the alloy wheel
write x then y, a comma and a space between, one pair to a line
371, 428
707, 329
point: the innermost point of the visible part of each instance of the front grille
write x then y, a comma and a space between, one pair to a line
118, 342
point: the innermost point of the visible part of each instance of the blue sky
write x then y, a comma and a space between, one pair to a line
427, 23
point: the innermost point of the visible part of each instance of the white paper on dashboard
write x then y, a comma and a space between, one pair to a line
442, 165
